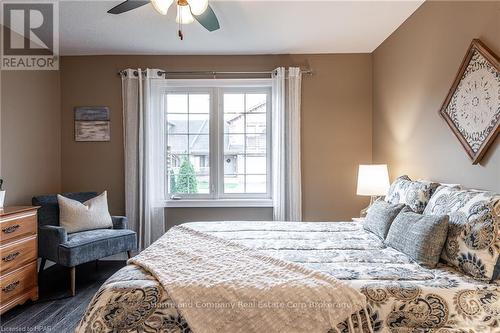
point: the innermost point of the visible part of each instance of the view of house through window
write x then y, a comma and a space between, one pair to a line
188, 142
218, 142
245, 143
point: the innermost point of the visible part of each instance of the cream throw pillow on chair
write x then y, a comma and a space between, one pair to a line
93, 214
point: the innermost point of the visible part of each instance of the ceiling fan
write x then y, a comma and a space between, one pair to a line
187, 11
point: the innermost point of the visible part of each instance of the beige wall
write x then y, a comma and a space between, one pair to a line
412, 73
30, 137
336, 128
175, 216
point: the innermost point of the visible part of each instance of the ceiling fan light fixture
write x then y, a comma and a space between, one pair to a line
162, 6
184, 15
198, 7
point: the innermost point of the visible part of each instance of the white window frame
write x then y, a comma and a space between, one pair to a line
217, 88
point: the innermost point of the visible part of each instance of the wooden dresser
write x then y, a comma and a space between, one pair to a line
18, 256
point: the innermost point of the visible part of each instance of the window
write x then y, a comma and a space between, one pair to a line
245, 142
188, 132
218, 139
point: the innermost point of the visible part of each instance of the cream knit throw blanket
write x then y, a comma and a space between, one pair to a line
219, 286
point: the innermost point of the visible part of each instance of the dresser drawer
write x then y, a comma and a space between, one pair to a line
18, 282
16, 226
17, 254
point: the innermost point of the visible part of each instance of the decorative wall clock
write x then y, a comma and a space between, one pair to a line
472, 107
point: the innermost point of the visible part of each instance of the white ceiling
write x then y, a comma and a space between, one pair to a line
247, 27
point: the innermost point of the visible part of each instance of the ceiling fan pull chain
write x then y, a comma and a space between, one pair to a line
181, 35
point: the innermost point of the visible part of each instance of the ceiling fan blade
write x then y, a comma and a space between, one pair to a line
127, 5
208, 19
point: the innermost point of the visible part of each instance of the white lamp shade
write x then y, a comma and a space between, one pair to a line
162, 6
198, 6
373, 179
184, 15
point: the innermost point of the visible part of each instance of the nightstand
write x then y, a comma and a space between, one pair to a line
358, 219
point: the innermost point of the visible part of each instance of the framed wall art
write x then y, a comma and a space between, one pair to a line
92, 124
472, 106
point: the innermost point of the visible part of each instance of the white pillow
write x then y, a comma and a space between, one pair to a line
93, 214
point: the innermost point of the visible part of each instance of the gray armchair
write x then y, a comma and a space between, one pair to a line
70, 250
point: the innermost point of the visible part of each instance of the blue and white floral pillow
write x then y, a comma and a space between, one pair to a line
414, 194
473, 243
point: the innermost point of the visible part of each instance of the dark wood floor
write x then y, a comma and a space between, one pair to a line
56, 310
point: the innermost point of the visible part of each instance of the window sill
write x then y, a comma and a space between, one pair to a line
219, 203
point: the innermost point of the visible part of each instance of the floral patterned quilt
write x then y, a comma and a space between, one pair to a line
402, 296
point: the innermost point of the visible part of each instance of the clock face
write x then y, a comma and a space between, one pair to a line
475, 106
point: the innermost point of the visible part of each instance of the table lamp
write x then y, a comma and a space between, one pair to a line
373, 181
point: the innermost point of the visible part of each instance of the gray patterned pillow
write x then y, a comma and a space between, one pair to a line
414, 194
380, 217
473, 243
420, 237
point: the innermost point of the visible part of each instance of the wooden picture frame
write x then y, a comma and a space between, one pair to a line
472, 107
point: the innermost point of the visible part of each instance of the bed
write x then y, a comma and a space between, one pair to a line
402, 296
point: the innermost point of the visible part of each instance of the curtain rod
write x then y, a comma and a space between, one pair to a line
215, 73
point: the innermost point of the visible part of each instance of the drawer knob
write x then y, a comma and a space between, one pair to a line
11, 256
10, 287
11, 229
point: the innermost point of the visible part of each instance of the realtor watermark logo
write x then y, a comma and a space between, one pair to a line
30, 35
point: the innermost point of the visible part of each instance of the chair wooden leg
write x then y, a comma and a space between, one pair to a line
42, 265
129, 254
73, 278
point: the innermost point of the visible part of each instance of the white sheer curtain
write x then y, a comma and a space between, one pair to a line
287, 186
144, 155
